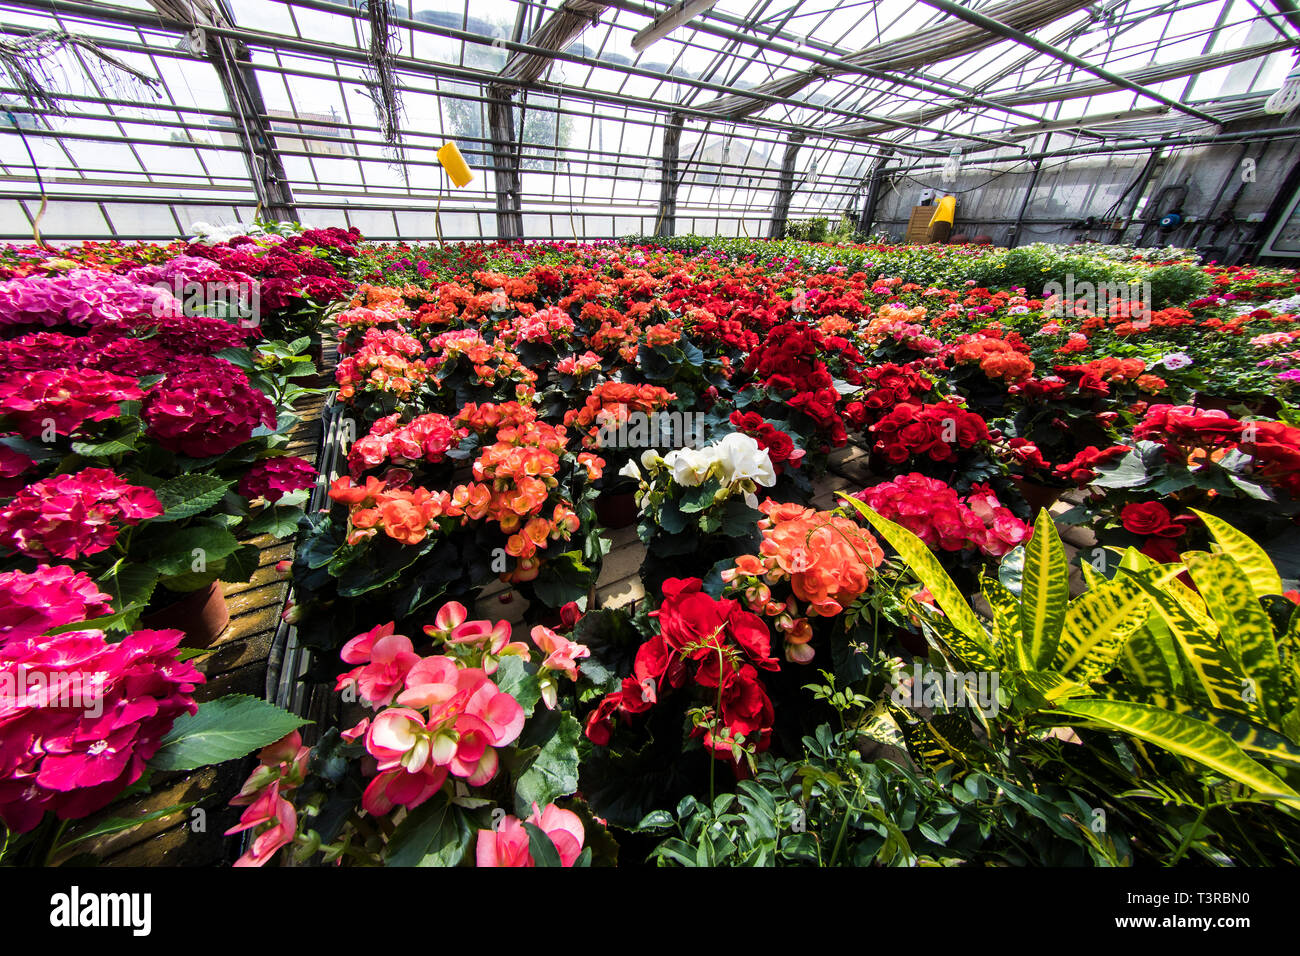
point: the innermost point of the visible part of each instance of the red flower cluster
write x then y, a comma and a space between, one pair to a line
1151, 518
64, 398
32, 602
274, 478
937, 514
779, 446
937, 432
74, 515
84, 719
1275, 447
1028, 461
201, 414
426, 438
1182, 427
786, 361
726, 644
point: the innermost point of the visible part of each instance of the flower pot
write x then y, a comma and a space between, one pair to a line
617, 509
201, 614
1037, 496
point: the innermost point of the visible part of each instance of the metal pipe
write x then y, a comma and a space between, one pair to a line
1014, 238
1001, 29
651, 121
1289, 10
785, 192
1208, 139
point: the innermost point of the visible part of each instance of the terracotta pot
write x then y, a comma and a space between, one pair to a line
1037, 496
616, 509
201, 614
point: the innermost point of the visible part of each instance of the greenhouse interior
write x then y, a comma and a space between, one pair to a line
623, 433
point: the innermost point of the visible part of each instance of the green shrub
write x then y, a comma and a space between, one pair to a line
1176, 285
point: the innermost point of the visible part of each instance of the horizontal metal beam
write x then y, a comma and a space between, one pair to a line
485, 78
706, 25
1056, 53
327, 6
1209, 139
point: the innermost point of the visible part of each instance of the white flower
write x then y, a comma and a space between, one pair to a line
650, 459
630, 470
690, 467
740, 458
1176, 360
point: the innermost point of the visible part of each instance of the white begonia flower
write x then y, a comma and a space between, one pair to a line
690, 467
630, 470
740, 458
650, 459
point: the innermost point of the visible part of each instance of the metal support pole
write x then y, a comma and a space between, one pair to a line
1289, 10
233, 64
505, 164
1013, 239
873, 193
785, 190
669, 176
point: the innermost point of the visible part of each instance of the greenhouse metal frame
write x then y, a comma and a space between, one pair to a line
1055, 119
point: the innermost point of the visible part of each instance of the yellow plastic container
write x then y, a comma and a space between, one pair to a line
455, 164
945, 210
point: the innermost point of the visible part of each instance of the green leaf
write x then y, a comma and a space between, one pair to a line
1150, 658
223, 729
1255, 739
699, 497
186, 545
118, 824
187, 495
655, 820
122, 440
1217, 674
515, 678
131, 585
554, 773
237, 356
239, 566
278, 521
563, 578
540, 847
436, 833
1183, 735
1045, 594
975, 647
1097, 625
1244, 626
1253, 559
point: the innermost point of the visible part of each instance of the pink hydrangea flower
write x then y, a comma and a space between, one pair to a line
274, 478
202, 414
64, 398
81, 297
32, 602
81, 717
74, 515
